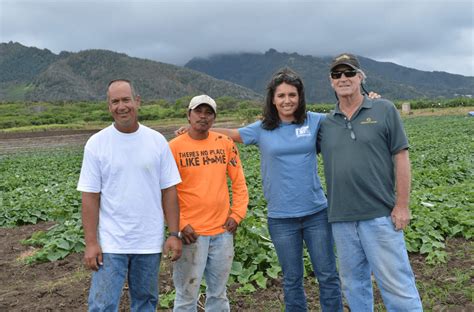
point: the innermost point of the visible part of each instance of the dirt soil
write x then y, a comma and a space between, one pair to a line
63, 285
12, 142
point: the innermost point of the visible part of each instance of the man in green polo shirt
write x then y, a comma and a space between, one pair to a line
367, 169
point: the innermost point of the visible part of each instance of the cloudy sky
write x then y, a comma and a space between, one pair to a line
423, 34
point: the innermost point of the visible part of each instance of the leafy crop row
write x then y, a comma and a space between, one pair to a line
41, 187
442, 198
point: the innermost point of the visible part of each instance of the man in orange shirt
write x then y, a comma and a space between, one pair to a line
207, 220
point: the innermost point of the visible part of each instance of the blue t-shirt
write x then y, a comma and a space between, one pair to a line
289, 167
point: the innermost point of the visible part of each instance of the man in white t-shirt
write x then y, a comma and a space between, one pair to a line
128, 183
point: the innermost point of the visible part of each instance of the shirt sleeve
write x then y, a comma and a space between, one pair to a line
396, 136
183, 221
318, 141
240, 196
317, 118
250, 134
169, 174
90, 178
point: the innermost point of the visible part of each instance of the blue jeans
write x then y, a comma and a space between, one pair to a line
107, 282
375, 246
288, 235
212, 257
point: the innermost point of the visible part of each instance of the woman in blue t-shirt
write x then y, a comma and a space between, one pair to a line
297, 207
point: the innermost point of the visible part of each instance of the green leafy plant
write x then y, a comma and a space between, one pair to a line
41, 186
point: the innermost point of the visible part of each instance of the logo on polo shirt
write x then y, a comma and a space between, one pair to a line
368, 120
302, 131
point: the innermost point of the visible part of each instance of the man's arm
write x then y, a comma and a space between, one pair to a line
90, 221
171, 211
231, 133
401, 213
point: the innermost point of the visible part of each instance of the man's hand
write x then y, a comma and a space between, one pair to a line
373, 95
181, 130
400, 217
173, 248
230, 225
189, 236
93, 257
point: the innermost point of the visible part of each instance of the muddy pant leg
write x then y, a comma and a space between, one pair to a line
187, 274
219, 264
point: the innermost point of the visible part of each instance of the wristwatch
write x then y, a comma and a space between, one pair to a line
176, 234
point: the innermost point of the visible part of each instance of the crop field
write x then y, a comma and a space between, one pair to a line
40, 187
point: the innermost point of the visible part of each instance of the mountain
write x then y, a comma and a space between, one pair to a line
392, 81
33, 74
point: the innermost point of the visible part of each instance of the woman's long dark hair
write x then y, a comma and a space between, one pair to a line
271, 120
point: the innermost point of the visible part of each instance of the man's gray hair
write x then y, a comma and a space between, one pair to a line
364, 76
134, 94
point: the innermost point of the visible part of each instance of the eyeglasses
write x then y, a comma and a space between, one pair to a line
349, 126
348, 73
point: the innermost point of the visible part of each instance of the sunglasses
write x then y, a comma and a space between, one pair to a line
349, 126
285, 77
348, 73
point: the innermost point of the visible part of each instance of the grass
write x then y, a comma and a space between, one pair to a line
17, 92
100, 125
228, 118
78, 275
440, 111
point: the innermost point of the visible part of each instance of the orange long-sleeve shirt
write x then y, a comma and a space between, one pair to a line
203, 194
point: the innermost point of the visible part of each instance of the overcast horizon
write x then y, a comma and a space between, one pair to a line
421, 34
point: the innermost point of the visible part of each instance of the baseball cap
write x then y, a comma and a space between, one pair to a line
203, 99
346, 59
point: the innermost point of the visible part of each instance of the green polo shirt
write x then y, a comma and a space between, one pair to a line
358, 160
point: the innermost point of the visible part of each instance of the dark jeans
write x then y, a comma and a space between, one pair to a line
288, 235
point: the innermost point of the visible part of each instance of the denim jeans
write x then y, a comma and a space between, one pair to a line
212, 257
288, 235
375, 246
107, 282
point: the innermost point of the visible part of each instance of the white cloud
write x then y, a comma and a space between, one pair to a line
428, 35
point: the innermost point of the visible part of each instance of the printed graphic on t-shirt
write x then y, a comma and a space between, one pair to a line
202, 158
302, 131
368, 120
233, 159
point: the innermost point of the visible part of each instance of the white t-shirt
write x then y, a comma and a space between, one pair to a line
129, 170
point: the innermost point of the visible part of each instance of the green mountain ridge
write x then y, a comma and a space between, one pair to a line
32, 74
253, 70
